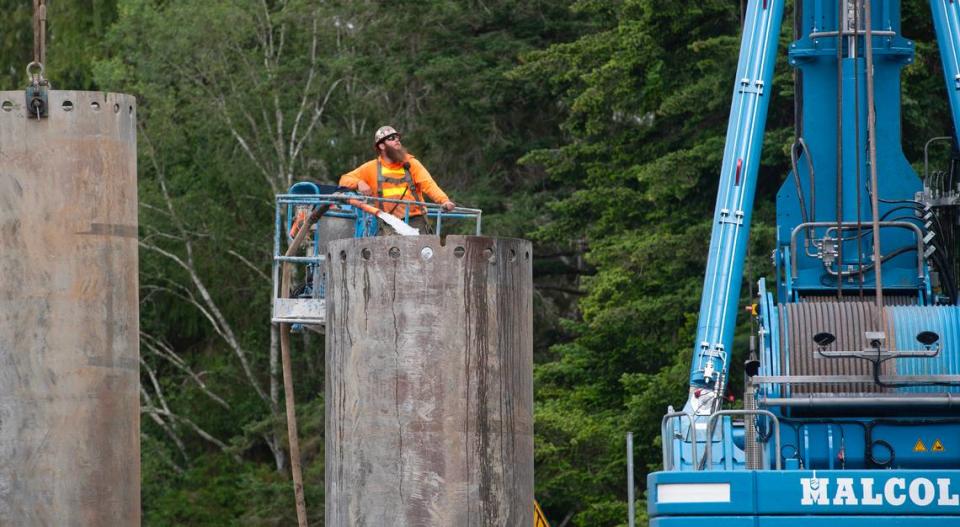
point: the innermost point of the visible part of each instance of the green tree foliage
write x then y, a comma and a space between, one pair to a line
237, 100
75, 31
594, 126
646, 139
16, 43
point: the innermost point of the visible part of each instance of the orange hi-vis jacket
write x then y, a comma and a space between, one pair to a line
396, 184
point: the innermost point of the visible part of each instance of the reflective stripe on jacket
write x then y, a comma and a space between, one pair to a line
397, 183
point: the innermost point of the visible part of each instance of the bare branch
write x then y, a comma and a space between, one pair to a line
196, 428
212, 312
246, 148
164, 351
158, 169
311, 73
151, 409
161, 235
166, 459
153, 208
317, 114
156, 384
163, 425
167, 429
279, 455
249, 264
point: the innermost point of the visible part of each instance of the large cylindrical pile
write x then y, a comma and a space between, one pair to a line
429, 387
69, 382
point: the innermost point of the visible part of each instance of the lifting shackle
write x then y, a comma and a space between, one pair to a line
36, 92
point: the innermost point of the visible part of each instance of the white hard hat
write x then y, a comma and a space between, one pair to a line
384, 132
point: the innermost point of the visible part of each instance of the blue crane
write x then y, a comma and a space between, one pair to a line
851, 412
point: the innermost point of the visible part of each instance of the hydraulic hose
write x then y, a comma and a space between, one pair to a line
796, 182
866, 268
872, 138
802, 145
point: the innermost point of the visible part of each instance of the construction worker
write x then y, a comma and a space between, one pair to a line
397, 175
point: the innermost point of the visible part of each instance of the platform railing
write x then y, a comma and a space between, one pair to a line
712, 424
310, 311
831, 226
433, 210
667, 439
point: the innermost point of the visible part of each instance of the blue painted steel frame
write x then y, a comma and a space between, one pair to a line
914, 459
946, 22
806, 497
907, 322
816, 59
734, 208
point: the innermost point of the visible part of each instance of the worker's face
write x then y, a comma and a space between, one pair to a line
393, 149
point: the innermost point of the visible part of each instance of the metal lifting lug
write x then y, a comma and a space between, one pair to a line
36, 92
37, 103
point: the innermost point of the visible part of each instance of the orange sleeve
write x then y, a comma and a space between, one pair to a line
425, 183
366, 172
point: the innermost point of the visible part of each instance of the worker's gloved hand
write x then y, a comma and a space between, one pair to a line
363, 188
448, 205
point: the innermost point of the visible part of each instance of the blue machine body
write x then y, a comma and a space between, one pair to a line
852, 403
816, 60
803, 498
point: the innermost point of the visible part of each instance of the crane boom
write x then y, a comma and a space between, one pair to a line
731, 220
946, 21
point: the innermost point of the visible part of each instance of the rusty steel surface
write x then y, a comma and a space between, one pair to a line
429, 382
69, 331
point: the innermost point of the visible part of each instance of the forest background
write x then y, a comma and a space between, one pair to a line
593, 127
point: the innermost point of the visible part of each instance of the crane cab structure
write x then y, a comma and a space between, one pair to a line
851, 410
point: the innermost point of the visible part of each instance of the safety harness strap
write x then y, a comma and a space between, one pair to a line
407, 177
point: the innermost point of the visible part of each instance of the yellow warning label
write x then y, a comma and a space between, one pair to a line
937, 446
920, 447
539, 520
